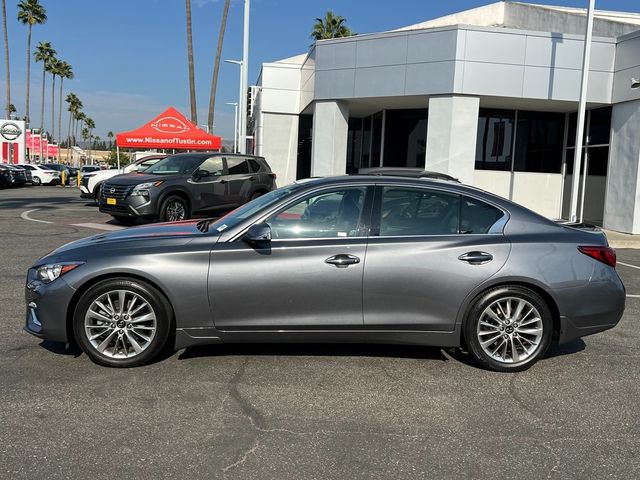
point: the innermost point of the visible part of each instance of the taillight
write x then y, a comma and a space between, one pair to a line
272, 175
606, 255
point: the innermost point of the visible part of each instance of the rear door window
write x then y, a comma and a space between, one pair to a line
417, 211
237, 166
254, 165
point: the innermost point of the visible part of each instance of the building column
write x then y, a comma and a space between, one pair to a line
329, 138
451, 136
622, 200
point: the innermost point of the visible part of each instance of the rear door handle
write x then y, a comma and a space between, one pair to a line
342, 260
476, 258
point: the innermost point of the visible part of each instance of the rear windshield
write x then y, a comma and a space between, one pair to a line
179, 164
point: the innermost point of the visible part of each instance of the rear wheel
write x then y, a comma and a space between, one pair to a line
508, 329
256, 195
122, 322
36, 181
174, 209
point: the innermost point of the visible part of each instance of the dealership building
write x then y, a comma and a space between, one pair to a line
487, 95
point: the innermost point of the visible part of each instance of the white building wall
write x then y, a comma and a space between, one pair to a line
329, 147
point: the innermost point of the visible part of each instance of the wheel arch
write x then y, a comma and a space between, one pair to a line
93, 281
518, 282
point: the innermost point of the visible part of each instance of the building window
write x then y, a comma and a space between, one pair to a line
405, 138
494, 140
539, 138
376, 140
596, 141
354, 145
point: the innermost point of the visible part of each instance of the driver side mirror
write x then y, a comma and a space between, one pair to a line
259, 232
200, 174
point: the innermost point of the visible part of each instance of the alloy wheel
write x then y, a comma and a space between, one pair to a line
176, 211
120, 324
510, 330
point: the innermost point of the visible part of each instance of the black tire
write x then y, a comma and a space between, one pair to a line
157, 301
256, 195
36, 181
128, 221
96, 192
471, 329
170, 208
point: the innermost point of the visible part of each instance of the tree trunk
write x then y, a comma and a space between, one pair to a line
44, 80
216, 65
192, 80
53, 109
60, 117
26, 111
69, 139
6, 56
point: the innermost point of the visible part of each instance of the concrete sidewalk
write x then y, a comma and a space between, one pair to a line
622, 240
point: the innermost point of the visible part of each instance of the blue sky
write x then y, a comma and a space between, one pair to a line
129, 56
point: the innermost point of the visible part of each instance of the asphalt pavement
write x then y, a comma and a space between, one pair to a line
300, 411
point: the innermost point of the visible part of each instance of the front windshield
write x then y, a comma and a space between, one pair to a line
248, 209
178, 164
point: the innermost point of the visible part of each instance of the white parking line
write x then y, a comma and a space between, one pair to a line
628, 265
632, 296
97, 226
25, 216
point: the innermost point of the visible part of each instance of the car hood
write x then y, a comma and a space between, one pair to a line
173, 233
136, 178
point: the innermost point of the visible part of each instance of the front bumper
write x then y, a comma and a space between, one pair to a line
47, 307
130, 206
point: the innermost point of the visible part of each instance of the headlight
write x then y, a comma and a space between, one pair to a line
48, 273
142, 188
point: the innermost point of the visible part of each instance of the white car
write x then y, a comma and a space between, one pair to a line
91, 182
42, 175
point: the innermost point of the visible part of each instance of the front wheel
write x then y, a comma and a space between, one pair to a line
508, 329
174, 209
122, 322
36, 181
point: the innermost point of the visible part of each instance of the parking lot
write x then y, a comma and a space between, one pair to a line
301, 411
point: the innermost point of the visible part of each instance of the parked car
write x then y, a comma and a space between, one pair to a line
6, 177
41, 175
73, 175
343, 259
19, 178
27, 173
181, 186
60, 168
92, 182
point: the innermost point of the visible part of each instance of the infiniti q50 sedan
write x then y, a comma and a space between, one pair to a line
344, 259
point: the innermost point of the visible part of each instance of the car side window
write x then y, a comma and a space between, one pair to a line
478, 217
254, 165
337, 213
211, 167
237, 166
416, 211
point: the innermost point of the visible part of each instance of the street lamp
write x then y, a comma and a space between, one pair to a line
235, 126
236, 138
245, 79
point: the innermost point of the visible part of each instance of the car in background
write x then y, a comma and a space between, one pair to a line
60, 168
92, 182
19, 177
27, 174
6, 176
73, 175
352, 259
181, 186
41, 175
89, 168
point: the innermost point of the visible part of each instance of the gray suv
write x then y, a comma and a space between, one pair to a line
186, 185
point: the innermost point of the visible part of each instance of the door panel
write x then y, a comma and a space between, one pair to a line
240, 177
287, 285
420, 283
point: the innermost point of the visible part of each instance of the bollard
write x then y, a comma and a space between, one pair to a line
78, 180
62, 182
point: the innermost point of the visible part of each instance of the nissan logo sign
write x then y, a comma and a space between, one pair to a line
113, 190
10, 131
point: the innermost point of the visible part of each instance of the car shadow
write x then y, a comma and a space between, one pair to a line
62, 348
314, 350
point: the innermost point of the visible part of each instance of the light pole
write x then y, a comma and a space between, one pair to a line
582, 106
235, 126
245, 80
236, 139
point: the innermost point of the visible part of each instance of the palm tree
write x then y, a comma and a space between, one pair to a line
44, 53
192, 79
30, 13
6, 55
80, 117
331, 26
90, 126
110, 137
65, 72
74, 104
216, 65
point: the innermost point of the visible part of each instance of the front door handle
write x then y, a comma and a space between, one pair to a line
342, 260
476, 258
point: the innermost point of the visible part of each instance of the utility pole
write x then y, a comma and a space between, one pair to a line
245, 80
582, 107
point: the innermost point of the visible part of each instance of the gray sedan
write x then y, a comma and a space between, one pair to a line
345, 259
